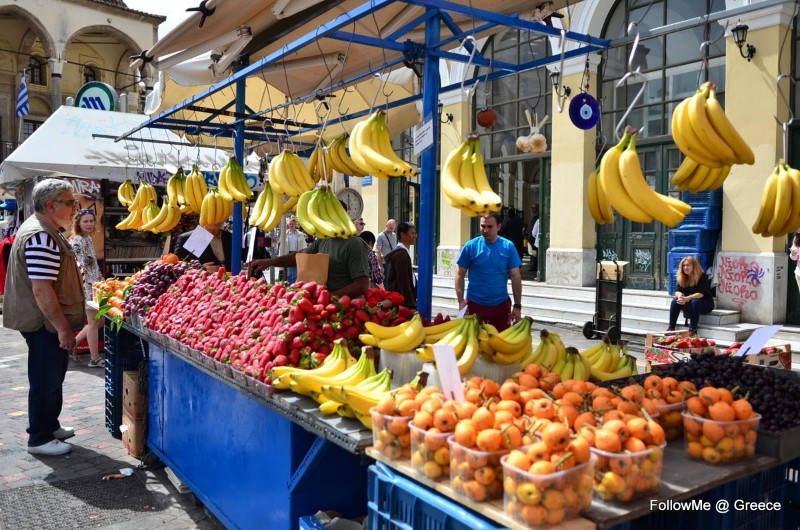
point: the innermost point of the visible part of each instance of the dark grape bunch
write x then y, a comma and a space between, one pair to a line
776, 397
153, 282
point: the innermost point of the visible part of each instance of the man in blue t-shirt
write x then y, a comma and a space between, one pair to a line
490, 260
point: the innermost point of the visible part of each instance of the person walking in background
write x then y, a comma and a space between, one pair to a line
385, 243
533, 239
376, 278
794, 253
401, 271
692, 296
491, 260
45, 288
512, 230
295, 242
83, 227
360, 224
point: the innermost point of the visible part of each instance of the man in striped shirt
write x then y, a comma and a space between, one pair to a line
45, 288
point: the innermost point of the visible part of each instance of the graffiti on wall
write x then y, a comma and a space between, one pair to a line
86, 187
740, 278
447, 263
609, 255
642, 259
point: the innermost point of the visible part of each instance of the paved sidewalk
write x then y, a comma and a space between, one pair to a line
67, 492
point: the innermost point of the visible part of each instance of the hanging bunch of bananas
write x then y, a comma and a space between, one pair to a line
165, 220
509, 346
609, 361
703, 133
780, 203
549, 352
464, 180
622, 182
340, 160
319, 163
194, 190
214, 209
176, 191
322, 215
371, 149
233, 184
269, 207
126, 193
145, 195
596, 200
463, 338
288, 175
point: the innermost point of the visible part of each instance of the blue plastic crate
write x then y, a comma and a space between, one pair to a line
702, 218
693, 240
703, 198
398, 503
123, 352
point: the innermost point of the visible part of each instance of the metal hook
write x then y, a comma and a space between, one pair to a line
468, 90
561, 97
785, 124
640, 76
704, 47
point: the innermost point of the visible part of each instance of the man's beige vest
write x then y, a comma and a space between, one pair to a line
22, 312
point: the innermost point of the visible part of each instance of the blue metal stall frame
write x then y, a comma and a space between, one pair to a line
437, 13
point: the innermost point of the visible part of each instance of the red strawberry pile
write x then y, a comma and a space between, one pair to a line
734, 348
254, 326
684, 342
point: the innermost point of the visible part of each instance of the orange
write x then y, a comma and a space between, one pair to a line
721, 411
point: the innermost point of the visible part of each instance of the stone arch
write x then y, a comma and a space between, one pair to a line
121, 63
38, 29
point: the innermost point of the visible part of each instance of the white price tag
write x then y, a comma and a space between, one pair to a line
449, 376
251, 247
758, 340
423, 137
197, 243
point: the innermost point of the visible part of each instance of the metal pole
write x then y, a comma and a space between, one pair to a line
238, 151
429, 179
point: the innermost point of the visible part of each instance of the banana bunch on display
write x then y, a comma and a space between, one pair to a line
780, 203
319, 164
194, 190
358, 398
371, 149
464, 180
144, 197
402, 338
233, 184
464, 341
609, 361
269, 208
509, 346
167, 218
572, 366
622, 182
337, 361
432, 333
176, 191
310, 384
288, 175
126, 193
598, 204
548, 353
214, 209
340, 160
149, 213
711, 143
322, 215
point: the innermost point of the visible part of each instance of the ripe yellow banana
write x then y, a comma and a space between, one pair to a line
310, 384
488, 196
195, 189
593, 200
337, 361
126, 193
471, 351
614, 190
455, 194
131, 222
783, 201
723, 126
303, 213
793, 222
686, 139
371, 150
701, 125
767, 211
407, 341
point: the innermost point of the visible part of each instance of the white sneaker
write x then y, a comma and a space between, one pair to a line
53, 447
63, 433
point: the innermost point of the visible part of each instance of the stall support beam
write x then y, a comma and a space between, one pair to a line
238, 150
429, 178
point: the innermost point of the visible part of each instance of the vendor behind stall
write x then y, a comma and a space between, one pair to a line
216, 252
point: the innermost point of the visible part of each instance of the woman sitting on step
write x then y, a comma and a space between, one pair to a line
692, 296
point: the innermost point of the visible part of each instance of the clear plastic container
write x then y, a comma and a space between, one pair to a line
626, 476
404, 366
430, 453
391, 435
671, 420
477, 475
719, 442
545, 500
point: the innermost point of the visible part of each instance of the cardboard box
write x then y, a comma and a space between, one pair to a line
607, 270
133, 398
133, 431
659, 354
781, 360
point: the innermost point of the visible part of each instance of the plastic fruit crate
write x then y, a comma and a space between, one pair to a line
670, 419
702, 218
430, 453
703, 198
391, 436
623, 477
476, 475
734, 440
693, 240
395, 502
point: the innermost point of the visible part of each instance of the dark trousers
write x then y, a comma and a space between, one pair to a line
694, 308
47, 368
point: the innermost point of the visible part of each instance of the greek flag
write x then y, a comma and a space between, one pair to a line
23, 104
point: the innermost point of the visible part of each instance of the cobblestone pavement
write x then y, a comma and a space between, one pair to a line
152, 503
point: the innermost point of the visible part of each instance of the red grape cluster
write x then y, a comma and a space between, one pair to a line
153, 282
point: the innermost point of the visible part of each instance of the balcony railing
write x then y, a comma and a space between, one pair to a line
6, 148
